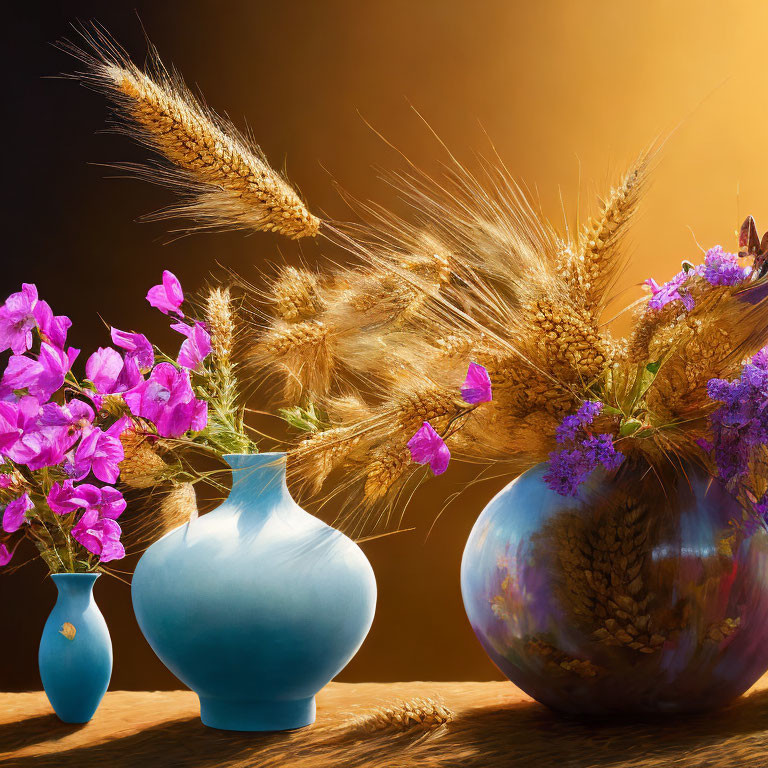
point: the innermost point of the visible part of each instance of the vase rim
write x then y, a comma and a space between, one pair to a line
65, 576
273, 454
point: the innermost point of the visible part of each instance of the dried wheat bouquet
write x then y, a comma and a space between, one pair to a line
474, 329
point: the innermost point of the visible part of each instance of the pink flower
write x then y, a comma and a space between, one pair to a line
110, 373
197, 346
60, 498
14, 515
66, 497
100, 453
5, 555
167, 297
99, 535
17, 320
477, 386
39, 378
53, 328
137, 345
166, 398
427, 447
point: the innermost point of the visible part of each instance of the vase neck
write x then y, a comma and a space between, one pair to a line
258, 477
75, 588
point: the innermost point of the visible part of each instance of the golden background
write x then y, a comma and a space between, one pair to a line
568, 92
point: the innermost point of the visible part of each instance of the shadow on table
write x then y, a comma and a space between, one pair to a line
524, 734
19, 734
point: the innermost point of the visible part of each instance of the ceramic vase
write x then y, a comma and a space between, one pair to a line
256, 605
630, 598
75, 655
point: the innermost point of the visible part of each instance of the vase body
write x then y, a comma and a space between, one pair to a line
628, 599
75, 656
256, 605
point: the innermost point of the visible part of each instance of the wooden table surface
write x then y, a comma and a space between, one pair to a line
491, 724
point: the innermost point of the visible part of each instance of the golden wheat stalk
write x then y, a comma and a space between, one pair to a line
595, 263
420, 713
224, 177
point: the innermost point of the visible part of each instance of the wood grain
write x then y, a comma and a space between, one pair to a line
495, 725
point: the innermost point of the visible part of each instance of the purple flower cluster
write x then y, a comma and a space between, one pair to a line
719, 268
583, 453
740, 425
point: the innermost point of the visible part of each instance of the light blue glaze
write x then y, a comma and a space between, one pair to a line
256, 605
75, 672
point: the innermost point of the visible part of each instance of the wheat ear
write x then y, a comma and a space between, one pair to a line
224, 177
593, 266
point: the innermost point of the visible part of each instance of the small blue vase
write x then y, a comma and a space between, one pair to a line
256, 605
75, 655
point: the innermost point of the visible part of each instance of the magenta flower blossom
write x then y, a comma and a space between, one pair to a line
137, 346
66, 497
427, 447
110, 373
60, 498
11, 425
14, 515
52, 328
17, 320
166, 398
168, 296
97, 452
196, 347
5, 555
477, 386
39, 378
99, 535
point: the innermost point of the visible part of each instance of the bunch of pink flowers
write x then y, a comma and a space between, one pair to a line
60, 436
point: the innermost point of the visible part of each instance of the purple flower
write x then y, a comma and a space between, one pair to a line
110, 373
167, 297
53, 328
11, 425
100, 453
196, 347
740, 424
571, 425
5, 555
477, 386
66, 497
15, 513
99, 535
721, 268
39, 378
427, 447
166, 398
137, 346
60, 498
674, 290
17, 320
570, 466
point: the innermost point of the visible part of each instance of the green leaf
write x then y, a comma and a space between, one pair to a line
629, 427
653, 367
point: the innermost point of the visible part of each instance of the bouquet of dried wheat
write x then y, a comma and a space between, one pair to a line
475, 330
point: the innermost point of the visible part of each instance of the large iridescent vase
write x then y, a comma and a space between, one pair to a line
641, 595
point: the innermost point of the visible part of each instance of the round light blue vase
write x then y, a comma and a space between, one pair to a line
75, 655
256, 605
635, 597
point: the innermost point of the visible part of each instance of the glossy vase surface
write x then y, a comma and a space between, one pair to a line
631, 598
256, 605
75, 655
